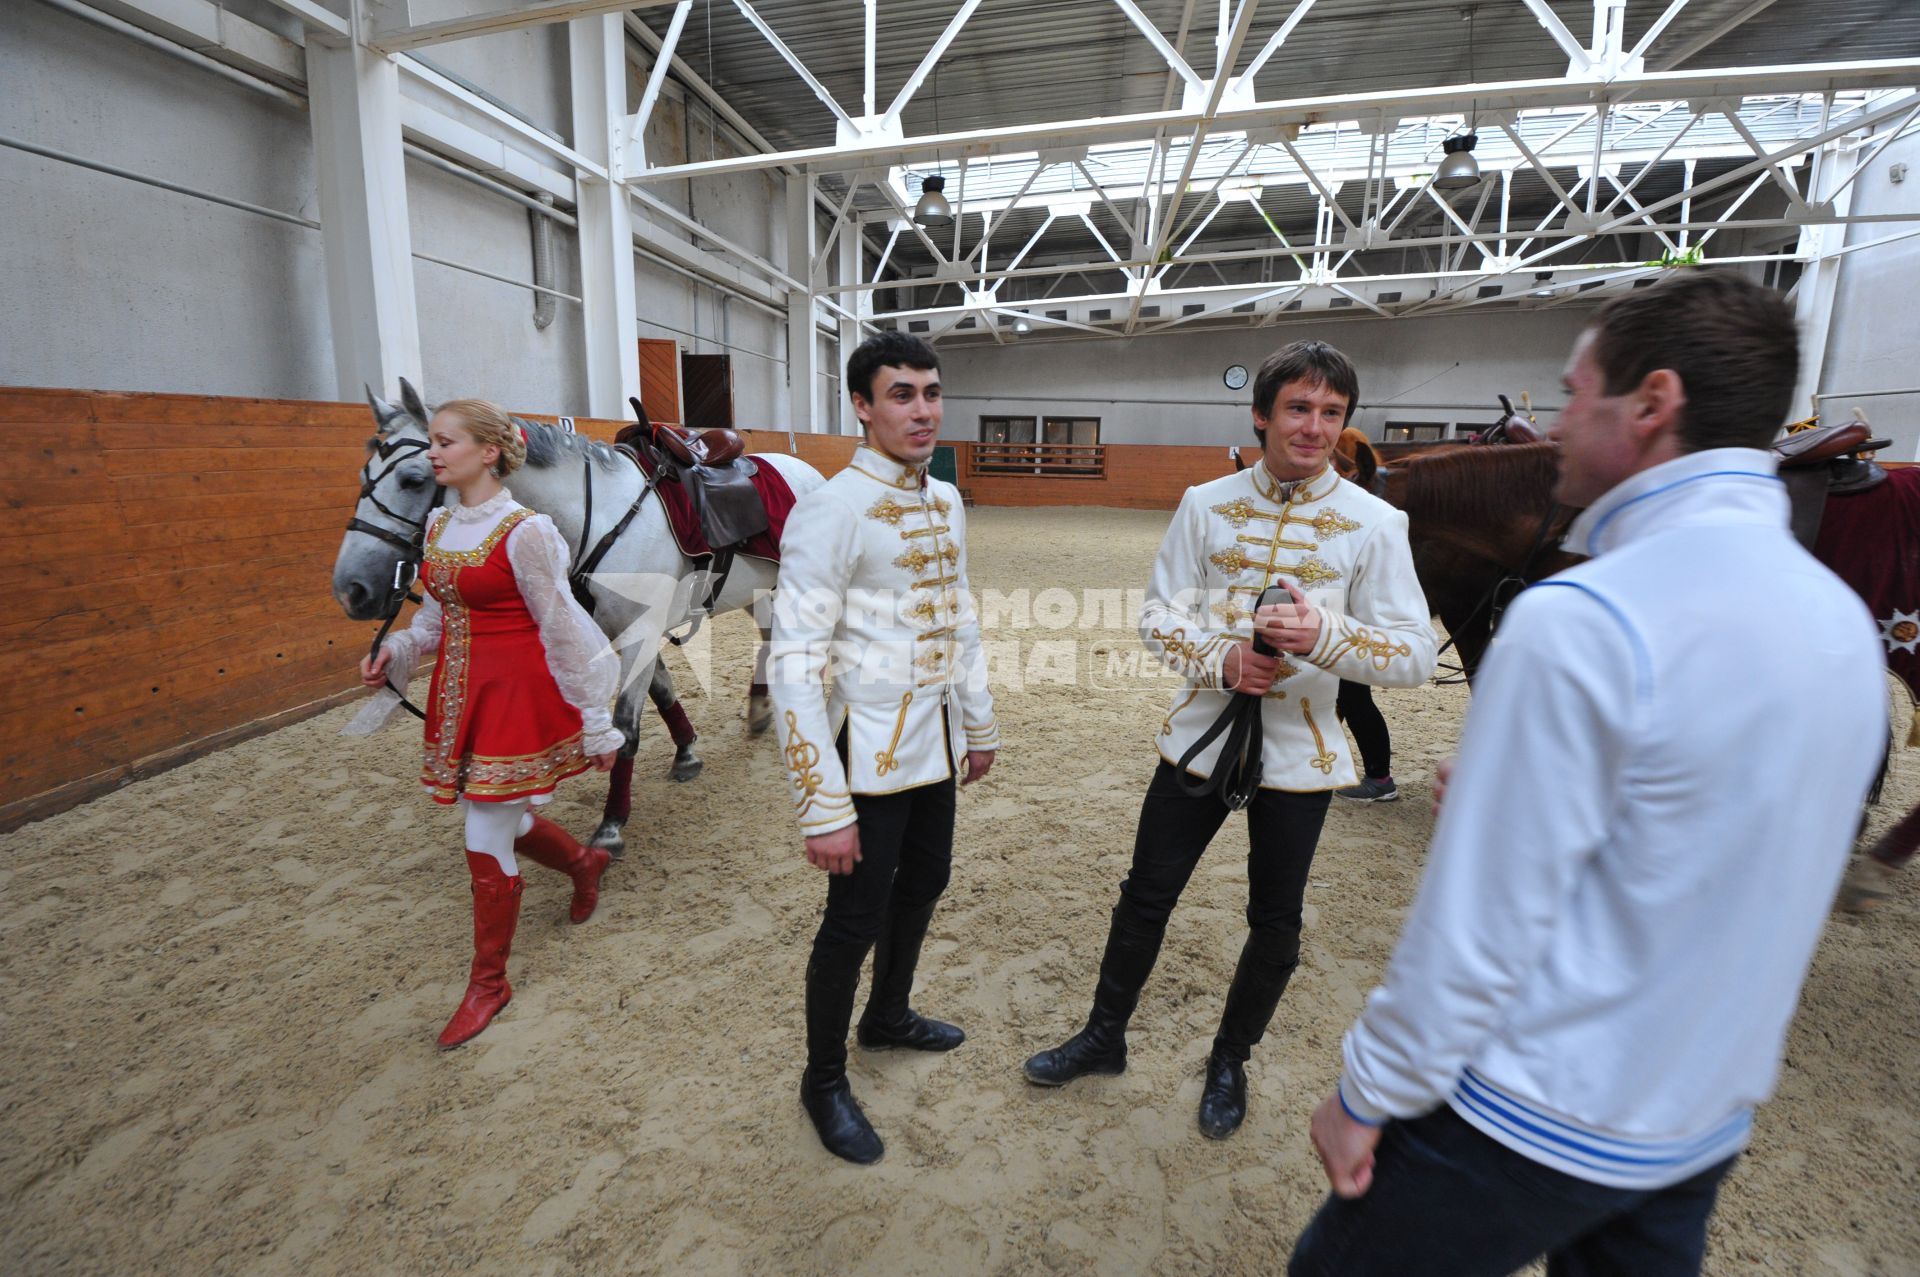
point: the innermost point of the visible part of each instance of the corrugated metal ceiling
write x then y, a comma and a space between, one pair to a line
1026, 61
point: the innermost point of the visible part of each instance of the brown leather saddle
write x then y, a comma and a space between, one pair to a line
714, 470
708, 448
1826, 461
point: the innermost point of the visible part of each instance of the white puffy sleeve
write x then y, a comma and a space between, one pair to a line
583, 663
421, 636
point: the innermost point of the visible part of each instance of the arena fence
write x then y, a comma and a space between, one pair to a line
166, 569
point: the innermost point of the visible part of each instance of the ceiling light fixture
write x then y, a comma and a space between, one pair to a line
1459, 170
933, 208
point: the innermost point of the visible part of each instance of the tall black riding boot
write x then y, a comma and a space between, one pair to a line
1266, 964
888, 1021
833, 975
1101, 1047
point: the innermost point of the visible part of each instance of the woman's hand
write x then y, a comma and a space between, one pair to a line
604, 762
373, 669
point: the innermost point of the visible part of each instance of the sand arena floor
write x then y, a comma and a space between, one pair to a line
221, 986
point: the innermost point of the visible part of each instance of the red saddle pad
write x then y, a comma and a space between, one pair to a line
775, 495
1872, 540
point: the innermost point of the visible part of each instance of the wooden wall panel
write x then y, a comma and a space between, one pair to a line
166, 567
1138, 477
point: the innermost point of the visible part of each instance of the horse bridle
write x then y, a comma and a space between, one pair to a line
1501, 594
1505, 588
412, 548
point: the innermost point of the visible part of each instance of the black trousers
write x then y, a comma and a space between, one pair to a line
906, 857
1175, 828
1369, 728
1449, 1201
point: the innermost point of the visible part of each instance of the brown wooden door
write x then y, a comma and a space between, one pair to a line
660, 378
708, 380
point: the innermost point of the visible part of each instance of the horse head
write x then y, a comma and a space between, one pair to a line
1354, 457
380, 550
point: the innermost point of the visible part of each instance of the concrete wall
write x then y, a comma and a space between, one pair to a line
120, 286
114, 285
477, 335
1876, 327
1168, 389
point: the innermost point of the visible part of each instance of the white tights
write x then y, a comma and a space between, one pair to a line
493, 828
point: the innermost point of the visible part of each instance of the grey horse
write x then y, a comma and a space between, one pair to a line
643, 589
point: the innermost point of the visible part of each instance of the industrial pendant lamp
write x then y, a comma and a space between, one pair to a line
933, 209
1459, 170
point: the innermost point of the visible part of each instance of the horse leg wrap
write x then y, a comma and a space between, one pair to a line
619, 790
679, 726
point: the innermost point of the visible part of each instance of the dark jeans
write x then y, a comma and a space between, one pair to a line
1449, 1201
1369, 729
906, 857
1175, 828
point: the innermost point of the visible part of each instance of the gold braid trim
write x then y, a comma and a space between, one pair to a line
1324, 760
884, 762
802, 757
1376, 647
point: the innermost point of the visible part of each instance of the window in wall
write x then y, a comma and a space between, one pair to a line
1007, 429
1084, 430
1408, 431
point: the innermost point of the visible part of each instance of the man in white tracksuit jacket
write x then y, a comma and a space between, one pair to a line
1656, 790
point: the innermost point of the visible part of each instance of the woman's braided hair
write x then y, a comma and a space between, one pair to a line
488, 423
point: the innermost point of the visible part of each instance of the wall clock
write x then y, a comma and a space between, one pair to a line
1236, 377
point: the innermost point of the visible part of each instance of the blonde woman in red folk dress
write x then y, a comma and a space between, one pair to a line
521, 692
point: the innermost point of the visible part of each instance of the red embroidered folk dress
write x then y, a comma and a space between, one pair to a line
522, 689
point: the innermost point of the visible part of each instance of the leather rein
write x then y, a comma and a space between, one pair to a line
412, 548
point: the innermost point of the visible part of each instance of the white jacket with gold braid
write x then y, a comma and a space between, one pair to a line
873, 595
1343, 548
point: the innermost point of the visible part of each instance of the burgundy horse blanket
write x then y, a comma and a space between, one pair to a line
1872, 540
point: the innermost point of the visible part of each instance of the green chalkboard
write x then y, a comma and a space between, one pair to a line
945, 464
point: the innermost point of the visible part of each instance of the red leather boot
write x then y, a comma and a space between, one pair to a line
496, 912
548, 844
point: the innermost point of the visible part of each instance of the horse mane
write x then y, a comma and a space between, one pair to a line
548, 446
1475, 485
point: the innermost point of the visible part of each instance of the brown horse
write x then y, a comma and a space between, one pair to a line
1479, 531
1483, 525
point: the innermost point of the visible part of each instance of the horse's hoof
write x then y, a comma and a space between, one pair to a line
609, 839
759, 715
1866, 887
686, 765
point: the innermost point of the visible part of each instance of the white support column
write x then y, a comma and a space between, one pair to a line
803, 345
851, 334
355, 114
1813, 303
596, 50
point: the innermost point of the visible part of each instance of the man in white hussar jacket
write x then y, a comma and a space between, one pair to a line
1657, 785
1289, 520
873, 595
